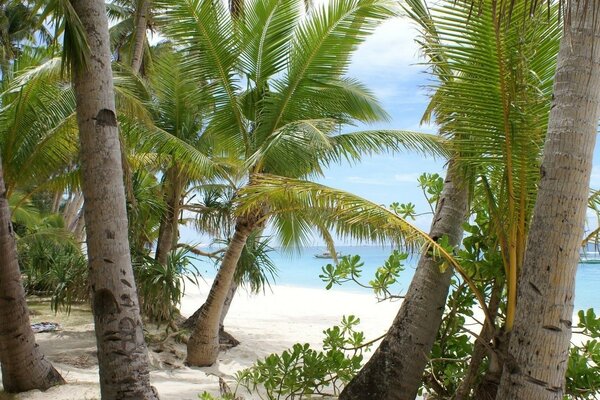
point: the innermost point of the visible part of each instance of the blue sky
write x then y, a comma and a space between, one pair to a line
389, 64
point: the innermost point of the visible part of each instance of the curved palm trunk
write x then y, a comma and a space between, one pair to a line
203, 345
396, 368
122, 352
539, 343
141, 23
168, 232
23, 364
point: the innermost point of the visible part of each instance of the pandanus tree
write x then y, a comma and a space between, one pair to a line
277, 80
490, 101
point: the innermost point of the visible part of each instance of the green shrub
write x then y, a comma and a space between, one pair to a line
160, 288
302, 371
56, 269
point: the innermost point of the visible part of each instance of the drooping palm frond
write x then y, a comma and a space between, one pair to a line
346, 214
302, 204
75, 48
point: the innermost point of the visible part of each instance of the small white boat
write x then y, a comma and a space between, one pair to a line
327, 254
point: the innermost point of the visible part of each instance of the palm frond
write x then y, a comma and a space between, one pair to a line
320, 52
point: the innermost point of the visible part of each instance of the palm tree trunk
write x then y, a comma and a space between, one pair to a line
23, 364
122, 352
168, 232
203, 345
539, 344
71, 211
396, 368
141, 24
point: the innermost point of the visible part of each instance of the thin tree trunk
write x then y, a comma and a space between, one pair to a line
24, 367
168, 232
203, 345
396, 368
482, 345
71, 211
79, 231
141, 24
56, 199
539, 344
122, 352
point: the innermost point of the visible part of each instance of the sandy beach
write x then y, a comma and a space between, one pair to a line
264, 324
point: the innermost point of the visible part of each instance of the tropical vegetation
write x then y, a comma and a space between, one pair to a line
123, 122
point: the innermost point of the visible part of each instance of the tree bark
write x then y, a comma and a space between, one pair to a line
168, 232
482, 345
203, 345
396, 368
71, 210
141, 25
122, 352
24, 367
539, 344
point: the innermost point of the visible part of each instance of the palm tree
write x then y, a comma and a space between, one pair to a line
122, 352
286, 120
496, 141
23, 364
179, 106
540, 340
128, 35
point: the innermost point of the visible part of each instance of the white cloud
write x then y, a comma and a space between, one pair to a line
390, 52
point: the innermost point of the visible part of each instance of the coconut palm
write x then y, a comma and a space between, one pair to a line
128, 35
491, 108
122, 352
540, 340
179, 106
24, 367
285, 120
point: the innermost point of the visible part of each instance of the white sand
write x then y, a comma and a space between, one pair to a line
264, 324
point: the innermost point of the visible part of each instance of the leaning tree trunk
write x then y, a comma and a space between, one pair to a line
226, 340
122, 352
396, 368
203, 345
539, 344
168, 232
24, 367
141, 24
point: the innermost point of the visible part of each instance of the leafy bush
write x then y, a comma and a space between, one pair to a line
302, 371
583, 371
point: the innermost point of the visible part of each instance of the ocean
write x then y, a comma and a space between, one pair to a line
303, 269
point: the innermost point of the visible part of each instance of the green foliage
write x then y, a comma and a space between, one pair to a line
432, 186
302, 371
349, 268
404, 210
583, 371
54, 268
161, 288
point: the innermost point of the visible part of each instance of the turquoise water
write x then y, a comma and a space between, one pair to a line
303, 270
